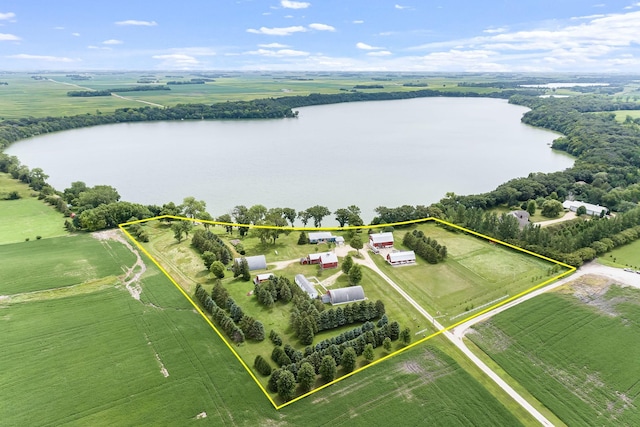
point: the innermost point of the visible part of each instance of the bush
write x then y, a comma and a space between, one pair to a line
262, 366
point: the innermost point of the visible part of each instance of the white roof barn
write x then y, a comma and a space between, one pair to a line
401, 257
381, 239
304, 284
257, 262
320, 236
593, 210
345, 295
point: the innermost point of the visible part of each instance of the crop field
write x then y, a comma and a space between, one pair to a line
93, 355
476, 272
575, 350
25, 96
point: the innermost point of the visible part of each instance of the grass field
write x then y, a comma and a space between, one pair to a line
623, 256
27, 217
97, 358
475, 273
575, 350
621, 116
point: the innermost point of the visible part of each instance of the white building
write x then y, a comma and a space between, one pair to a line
593, 210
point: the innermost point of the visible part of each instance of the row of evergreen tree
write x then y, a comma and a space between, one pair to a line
425, 247
205, 241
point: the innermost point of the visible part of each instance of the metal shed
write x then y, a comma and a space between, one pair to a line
346, 295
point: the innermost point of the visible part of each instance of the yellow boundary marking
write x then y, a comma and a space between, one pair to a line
122, 226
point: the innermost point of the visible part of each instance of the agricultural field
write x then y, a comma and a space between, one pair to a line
560, 347
476, 272
26, 217
85, 351
25, 96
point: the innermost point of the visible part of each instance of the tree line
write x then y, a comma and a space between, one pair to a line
107, 92
425, 247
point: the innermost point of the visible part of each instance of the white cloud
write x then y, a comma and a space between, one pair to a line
75, 34
98, 47
177, 60
288, 16
46, 58
495, 30
365, 46
400, 7
278, 53
7, 16
322, 27
281, 31
137, 23
8, 37
273, 45
294, 4
58, 28
112, 42
358, 21
379, 53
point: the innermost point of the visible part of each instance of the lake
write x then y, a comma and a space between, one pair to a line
386, 153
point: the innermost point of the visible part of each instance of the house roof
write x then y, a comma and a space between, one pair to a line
318, 235
264, 276
381, 237
575, 204
257, 262
328, 257
521, 216
305, 285
402, 256
344, 295
313, 257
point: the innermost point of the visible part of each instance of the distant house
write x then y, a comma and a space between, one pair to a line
262, 278
401, 257
339, 240
325, 259
321, 237
304, 284
593, 210
521, 216
346, 295
258, 262
381, 240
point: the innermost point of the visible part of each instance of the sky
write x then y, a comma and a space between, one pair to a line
322, 35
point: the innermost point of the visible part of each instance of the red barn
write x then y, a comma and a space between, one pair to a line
328, 260
381, 240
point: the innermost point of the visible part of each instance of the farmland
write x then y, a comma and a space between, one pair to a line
100, 357
560, 347
476, 272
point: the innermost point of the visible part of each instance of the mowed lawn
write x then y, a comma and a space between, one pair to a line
98, 359
575, 350
61, 261
623, 256
475, 272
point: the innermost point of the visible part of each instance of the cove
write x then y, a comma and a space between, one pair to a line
385, 153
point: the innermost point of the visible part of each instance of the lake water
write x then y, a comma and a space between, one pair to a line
369, 154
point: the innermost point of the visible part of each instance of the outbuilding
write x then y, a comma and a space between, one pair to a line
321, 237
593, 210
262, 278
346, 295
328, 260
304, 284
381, 240
257, 262
401, 257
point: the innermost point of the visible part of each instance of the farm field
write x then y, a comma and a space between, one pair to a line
476, 272
560, 347
26, 217
24, 96
99, 357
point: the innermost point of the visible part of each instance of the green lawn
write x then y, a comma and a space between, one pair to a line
97, 358
476, 272
578, 359
623, 256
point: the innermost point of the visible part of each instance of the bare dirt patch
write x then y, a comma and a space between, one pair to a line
591, 290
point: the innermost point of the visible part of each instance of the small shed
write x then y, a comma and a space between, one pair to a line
346, 295
321, 237
381, 240
328, 260
339, 240
304, 284
262, 278
401, 257
257, 262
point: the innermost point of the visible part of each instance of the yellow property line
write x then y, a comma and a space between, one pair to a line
122, 226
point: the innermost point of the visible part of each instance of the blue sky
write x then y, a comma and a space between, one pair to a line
373, 35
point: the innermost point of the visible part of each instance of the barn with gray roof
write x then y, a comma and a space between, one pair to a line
257, 262
346, 295
304, 284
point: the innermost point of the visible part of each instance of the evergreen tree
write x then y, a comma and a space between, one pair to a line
386, 344
217, 269
368, 352
405, 336
394, 330
303, 239
355, 275
286, 385
272, 385
328, 368
306, 332
306, 376
348, 359
346, 264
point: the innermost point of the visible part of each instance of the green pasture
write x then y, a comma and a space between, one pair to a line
38, 265
574, 350
476, 272
621, 115
627, 256
97, 358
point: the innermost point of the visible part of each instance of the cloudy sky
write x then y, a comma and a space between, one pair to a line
370, 35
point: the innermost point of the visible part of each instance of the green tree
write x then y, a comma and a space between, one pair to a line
355, 275
256, 213
306, 332
286, 385
98, 195
178, 231
342, 216
318, 212
386, 344
209, 258
531, 207
192, 208
405, 336
304, 216
348, 359
303, 239
306, 376
356, 243
581, 210
551, 208
347, 263
368, 353
272, 385
289, 214
217, 269
328, 368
